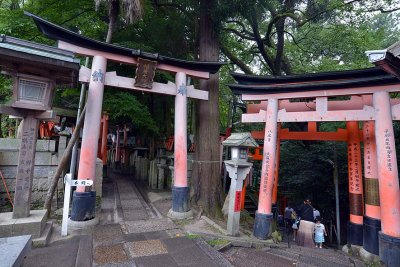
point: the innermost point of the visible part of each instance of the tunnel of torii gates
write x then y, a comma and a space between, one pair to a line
351, 96
98, 77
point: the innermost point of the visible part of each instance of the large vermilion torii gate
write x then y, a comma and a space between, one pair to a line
374, 108
98, 77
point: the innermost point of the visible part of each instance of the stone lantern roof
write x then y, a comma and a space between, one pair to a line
240, 140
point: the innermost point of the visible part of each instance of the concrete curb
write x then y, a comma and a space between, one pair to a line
215, 225
212, 253
84, 257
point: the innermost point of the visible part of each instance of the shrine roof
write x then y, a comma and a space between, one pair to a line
56, 32
252, 84
34, 58
15, 44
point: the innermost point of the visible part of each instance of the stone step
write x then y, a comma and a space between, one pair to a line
43, 240
14, 249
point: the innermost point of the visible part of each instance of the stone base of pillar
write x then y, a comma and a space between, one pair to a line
180, 215
83, 206
262, 225
371, 232
368, 256
180, 199
389, 250
355, 234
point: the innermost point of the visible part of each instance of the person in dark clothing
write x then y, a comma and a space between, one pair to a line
306, 211
306, 229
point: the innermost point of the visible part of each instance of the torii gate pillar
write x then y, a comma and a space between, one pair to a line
372, 217
356, 202
180, 191
389, 237
83, 204
263, 219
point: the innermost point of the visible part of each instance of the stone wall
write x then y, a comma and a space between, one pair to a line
46, 160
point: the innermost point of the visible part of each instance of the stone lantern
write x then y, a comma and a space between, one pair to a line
32, 92
35, 70
238, 167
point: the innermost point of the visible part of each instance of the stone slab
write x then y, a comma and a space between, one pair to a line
131, 204
147, 226
134, 237
145, 248
185, 252
14, 249
157, 260
32, 225
135, 215
109, 254
107, 234
63, 251
84, 257
13, 144
10, 172
44, 238
156, 235
10, 158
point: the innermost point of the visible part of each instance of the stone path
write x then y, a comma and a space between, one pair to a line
284, 257
132, 234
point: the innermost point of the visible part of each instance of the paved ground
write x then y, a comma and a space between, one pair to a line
133, 233
284, 257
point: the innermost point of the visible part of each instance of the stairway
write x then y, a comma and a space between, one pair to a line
250, 205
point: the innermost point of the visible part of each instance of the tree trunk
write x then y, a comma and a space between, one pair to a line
113, 11
206, 176
63, 162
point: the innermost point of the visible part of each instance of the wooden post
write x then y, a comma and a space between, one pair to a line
104, 139
26, 163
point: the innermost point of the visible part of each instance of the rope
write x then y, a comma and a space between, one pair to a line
5, 186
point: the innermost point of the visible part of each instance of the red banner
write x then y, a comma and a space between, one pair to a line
238, 201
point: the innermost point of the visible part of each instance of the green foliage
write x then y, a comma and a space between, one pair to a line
5, 88
124, 107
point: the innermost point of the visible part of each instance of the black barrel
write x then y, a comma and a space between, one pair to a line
371, 231
355, 234
83, 206
389, 250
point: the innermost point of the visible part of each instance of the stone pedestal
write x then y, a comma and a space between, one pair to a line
162, 169
34, 225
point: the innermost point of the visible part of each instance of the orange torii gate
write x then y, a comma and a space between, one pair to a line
371, 104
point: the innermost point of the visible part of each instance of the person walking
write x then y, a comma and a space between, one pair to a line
306, 229
319, 232
316, 214
288, 215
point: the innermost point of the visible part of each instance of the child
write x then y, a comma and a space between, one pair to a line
319, 231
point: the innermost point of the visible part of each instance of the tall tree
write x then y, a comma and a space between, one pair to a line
132, 11
206, 177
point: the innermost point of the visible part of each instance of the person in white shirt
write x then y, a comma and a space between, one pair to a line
319, 231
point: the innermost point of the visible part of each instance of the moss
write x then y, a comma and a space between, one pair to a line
217, 242
193, 236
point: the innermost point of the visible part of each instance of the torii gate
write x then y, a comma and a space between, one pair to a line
375, 107
98, 77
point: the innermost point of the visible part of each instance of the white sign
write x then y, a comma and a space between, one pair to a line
81, 182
